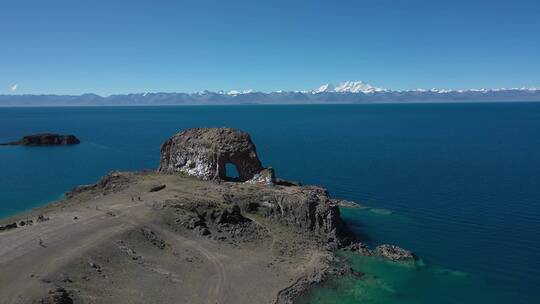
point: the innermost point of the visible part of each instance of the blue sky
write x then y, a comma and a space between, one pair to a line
107, 47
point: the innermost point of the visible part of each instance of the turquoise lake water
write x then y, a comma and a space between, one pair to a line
459, 184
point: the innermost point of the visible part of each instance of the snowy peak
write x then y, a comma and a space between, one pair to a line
325, 88
348, 87
235, 92
356, 87
360, 87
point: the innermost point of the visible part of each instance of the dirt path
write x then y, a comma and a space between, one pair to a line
216, 294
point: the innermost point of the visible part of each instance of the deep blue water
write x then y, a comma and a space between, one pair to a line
459, 184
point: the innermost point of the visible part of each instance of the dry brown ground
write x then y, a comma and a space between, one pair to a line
96, 248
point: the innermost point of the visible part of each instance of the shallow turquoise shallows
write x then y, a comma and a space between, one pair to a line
459, 184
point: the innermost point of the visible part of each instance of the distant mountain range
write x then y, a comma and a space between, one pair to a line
349, 92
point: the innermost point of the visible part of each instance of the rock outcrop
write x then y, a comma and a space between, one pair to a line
204, 153
57, 296
265, 177
394, 253
346, 203
306, 207
8, 226
114, 181
46, 139
390, 252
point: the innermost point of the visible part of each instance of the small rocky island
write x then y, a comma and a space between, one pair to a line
45, 139
185, 233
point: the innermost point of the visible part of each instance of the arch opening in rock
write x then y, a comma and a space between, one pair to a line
205, 153
231, 172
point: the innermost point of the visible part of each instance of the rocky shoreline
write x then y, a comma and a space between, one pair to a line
44, 139
252, 240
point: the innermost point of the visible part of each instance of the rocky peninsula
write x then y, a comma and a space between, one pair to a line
186, 233
45, 139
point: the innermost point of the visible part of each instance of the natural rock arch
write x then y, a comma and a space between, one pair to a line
204, 153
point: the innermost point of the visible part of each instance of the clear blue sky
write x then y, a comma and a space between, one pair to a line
106, 47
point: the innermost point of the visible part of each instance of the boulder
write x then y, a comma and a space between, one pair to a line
153, 238
287, 183
42, 218
157, 188
8, 226
346, 203
204, 153
361, 249
264, 177
194, 222
394, 253
203, 231
233, 216
57, 296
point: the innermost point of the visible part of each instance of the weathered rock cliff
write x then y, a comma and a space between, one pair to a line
204, 153
306, 207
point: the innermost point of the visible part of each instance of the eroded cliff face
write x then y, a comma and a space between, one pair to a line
306, 207
204, 153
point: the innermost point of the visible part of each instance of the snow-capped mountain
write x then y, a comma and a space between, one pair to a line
235, 92
349, 92
348, 87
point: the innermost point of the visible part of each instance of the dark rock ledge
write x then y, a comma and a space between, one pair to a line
301, 286
45, 139
23, 222
390, 252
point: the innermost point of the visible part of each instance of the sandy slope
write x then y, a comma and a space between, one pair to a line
123, 246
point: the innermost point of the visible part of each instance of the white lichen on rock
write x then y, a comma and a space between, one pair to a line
204, 153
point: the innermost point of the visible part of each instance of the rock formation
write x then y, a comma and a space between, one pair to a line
394, 253
306, 207
45, 139
265, 177
390, 252
204, 153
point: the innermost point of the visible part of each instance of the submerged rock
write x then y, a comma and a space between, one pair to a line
361, 249
389, 252
394, 253
346, 203
45, 139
